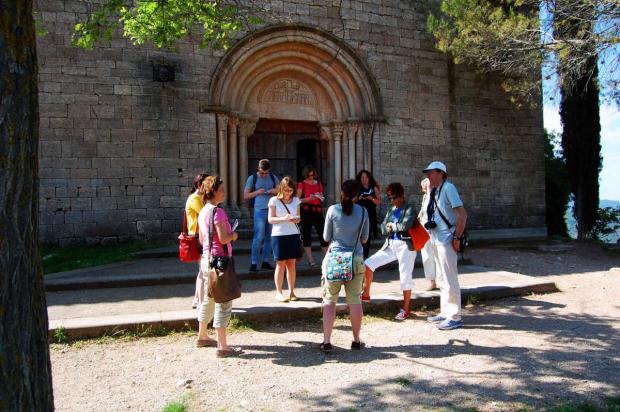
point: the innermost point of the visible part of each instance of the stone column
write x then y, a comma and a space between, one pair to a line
369, 129
325, 133
351, 163
222, 149
233, 161
246, 129
337, 130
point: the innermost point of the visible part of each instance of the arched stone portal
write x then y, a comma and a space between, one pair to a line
295, 73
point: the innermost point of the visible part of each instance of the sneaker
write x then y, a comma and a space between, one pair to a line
402, 315
450, 324
436, 319
357, 345
266, 265
253, 267
325, 347
280, 298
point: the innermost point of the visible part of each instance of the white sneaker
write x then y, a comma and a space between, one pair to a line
280, 298
402, 315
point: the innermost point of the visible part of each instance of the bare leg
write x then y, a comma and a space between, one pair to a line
221, 338
278, 274
329, 316
406, 300
308, 251
367, 281
356, 313
291, 274
203, 331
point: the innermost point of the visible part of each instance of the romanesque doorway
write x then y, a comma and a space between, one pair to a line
290, 145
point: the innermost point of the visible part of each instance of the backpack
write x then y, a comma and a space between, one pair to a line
253, 187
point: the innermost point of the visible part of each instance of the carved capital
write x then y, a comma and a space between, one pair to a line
222, 121
246, 127
352, 130
337, 129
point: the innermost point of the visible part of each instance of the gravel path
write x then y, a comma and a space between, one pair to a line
535, 351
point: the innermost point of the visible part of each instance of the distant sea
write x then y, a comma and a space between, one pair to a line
572, 224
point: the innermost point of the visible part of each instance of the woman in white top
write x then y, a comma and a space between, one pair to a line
427, 252
285, 236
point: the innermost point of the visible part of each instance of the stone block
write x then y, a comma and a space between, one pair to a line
81, 204
148, 226
171, 201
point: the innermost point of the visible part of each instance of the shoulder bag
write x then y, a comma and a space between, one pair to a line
339, 265
190, 248
223, 283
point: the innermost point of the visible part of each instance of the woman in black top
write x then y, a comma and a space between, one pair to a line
369, 198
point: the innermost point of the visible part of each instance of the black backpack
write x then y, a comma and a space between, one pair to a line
253, 187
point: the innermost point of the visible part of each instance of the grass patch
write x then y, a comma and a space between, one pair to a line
610, 405
237, 325
175, 407
63, 258
473, 300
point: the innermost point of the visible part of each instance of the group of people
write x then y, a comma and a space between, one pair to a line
285, 214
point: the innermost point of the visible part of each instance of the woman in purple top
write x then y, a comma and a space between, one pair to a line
213, 194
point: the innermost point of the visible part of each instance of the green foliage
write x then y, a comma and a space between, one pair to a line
164, 22
60, 335
557, 187
175, 407
607, 222
62, 258
403, 382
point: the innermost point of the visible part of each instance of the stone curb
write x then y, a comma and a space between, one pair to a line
177, 320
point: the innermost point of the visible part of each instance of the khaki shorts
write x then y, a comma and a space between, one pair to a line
352, 288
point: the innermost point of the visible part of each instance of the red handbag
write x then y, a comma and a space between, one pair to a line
190, 249
419, 235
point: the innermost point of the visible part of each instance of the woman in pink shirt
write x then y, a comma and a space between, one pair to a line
213, 194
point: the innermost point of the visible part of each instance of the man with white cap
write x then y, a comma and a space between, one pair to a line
446, 223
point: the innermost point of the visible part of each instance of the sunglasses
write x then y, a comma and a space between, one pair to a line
392, 197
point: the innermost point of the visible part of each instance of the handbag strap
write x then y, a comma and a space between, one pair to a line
212, 230
450, 225
289, 212
184, 229
359, 232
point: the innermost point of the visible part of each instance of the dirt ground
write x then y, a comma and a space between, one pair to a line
534, 352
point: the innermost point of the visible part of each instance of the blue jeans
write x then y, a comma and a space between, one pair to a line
262, 237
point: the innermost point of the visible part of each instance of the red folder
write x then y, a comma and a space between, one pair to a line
419, 235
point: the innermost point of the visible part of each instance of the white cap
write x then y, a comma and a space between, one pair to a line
436, 166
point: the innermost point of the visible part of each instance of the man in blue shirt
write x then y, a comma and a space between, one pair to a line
259, 188
446, 223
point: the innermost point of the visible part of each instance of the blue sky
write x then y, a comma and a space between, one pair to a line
610, 142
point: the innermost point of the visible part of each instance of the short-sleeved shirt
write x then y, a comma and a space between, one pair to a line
203, 230
307, 189
285, 228
343, 230
193, 206
267, 183
447, 198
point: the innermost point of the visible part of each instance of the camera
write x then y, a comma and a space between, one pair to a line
430, 225
219, 262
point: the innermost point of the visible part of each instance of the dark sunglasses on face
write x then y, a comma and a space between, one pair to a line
392, 197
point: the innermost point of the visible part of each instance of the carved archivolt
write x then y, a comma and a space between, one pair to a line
298, 73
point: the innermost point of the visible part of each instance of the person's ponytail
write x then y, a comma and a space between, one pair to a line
349, 191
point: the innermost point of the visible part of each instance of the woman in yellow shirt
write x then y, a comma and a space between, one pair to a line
193, 206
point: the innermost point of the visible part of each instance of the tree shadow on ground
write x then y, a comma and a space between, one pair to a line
576, 349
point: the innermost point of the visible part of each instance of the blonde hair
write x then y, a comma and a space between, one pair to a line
286, 181
209, 186
425, 184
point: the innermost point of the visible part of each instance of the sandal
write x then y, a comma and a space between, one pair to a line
325, 347
357, 345
228, 353
313, 264
206, 343
293, 298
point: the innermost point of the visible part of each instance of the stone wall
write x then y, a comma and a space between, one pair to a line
118, 150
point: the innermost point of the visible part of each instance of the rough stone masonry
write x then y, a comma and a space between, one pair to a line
118, 150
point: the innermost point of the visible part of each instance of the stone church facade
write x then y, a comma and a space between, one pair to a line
342, 86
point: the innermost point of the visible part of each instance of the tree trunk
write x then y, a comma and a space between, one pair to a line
25, 370
581, 143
